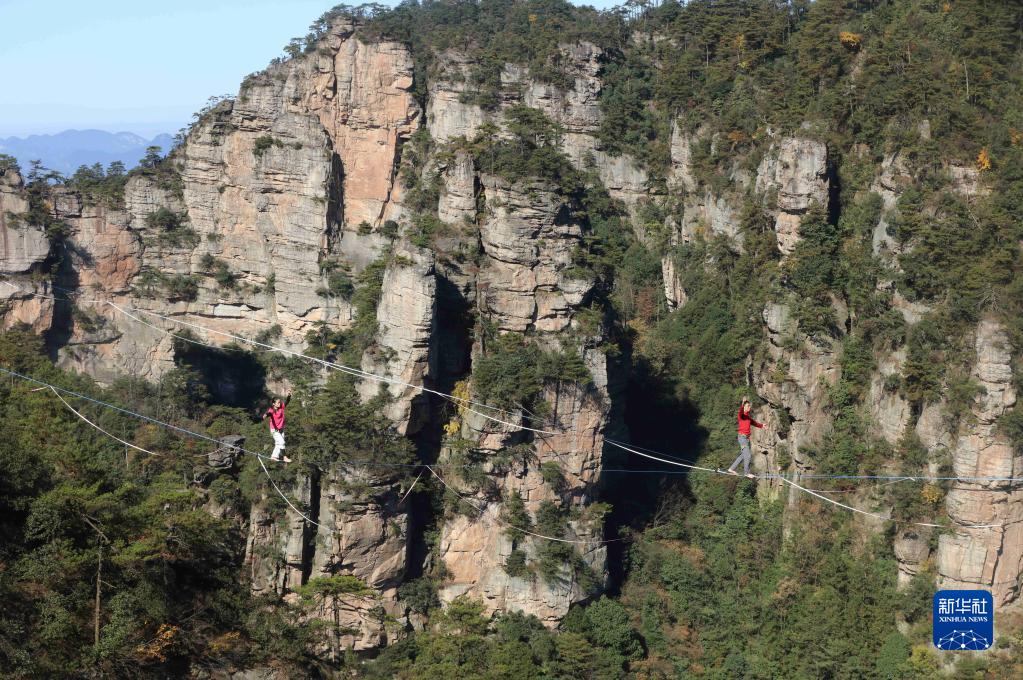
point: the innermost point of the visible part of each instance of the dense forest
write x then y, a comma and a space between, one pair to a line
117, 563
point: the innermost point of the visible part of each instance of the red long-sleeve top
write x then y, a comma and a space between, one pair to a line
745, 421
276, 416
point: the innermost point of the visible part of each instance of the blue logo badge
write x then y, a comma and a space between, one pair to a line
964, 620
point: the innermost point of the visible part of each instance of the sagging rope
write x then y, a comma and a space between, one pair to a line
183, 431
467, 404
56, 391
672, 460
360, 373
112, 436
115, 437
896, 521
818, 495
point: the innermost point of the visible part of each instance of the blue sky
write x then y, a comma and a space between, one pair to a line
135, 65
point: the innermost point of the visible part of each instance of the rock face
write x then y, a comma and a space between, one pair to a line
889, 410
911, 550
525, 280
457, 202
525, 285
795, 173
704, 210
794, 379
989, 557
475, 546
21, 245
891, 181
674, 293
405, 349
448, 115
240, 230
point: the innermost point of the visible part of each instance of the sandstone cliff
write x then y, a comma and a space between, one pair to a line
305, 179
240, 230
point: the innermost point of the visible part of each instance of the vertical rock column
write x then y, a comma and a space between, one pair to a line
526, 286
986, 557
796, 170
22, 247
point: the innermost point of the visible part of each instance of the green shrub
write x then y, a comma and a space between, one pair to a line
552, 476
420, 595
514, 371
170, 229
264, 143
515, 565
515, 516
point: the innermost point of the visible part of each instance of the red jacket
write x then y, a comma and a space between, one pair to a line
745, 421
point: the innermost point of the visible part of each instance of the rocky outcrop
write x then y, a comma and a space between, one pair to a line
363, 98
912, 548
889, 410
990, 555
794, 173
577, 111
527, 281
704, 211
363, 531
449, 111
674, 293
457, 202
794, 378
277, 540
476, 544
403, 351
22, 246
889, 185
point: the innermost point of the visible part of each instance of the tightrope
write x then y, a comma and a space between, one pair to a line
818, 495
357, 372
133, 414
663, 458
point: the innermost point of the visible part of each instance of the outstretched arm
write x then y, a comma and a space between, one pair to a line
287, 399
757, 424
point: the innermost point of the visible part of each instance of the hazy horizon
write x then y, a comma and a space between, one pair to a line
147, 130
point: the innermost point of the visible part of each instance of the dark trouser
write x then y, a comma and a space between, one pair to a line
744, 455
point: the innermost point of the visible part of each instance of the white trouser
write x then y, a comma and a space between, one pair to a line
278, 436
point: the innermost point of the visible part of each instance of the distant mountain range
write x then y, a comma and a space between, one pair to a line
67, 150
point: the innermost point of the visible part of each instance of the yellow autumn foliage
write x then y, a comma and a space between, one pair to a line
983, 160
737, 137
931, 494
850, 40
156, 649
461, 395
